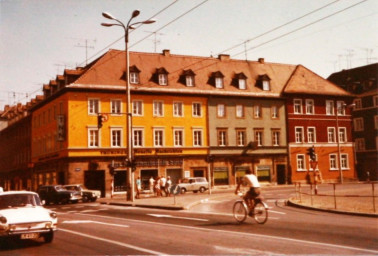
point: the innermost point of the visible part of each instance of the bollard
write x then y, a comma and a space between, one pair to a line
334, 194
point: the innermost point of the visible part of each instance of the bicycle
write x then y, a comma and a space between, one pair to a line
259, 213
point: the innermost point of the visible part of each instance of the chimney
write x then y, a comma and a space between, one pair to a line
166, 53
224, 57
261, 60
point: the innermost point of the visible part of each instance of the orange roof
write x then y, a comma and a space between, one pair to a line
305, 81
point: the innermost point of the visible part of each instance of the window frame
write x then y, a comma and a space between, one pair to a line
241, 140
137, 107
134, 77
196, 109
259, 136
118, 139
221, 110
358, 124
330, 107
343, 136
297, 106
222, 137
299, 134
163, 79
219, 84
158, 137
138, 137
96, 137
181, 137
310, 107
331, 131
301, 163
158, 108
311, 134
274, 113
239, 108
197, 137
276, 139
94, 109
257, 111
116, 109
333, 162
178, 109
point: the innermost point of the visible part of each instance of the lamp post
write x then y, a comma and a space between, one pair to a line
129, 159
342, 108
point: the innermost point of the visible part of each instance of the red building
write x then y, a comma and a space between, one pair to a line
319, 117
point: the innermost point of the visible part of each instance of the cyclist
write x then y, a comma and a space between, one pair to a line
251, 181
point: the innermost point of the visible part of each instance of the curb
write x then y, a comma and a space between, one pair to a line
291, 203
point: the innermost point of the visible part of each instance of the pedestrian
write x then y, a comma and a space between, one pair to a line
317, 180
157, 186
168, 186
152, 183
138, 187
163, 183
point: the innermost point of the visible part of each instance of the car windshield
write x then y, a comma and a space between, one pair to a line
19, 200
60, 188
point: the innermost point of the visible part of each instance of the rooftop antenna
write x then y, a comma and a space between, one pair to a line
86, 46
155, 39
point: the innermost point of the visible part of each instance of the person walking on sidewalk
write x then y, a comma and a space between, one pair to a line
163, 183
152, 183
168, 186
138, 183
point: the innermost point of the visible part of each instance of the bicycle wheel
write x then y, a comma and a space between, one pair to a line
261, 213
240, 211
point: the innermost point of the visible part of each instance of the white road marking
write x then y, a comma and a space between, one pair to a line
174, 217
145, 250
95, 222
242, 251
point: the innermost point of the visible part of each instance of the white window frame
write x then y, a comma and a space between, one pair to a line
266, 85
116, 106
239, 111
93, 106
344, 159
257, 113
178, 137
134, 77
310, 107
158, 137
297, 105
259, 137
137, 107
158, 108
333, 162
189, 81
330, 108
299, 134
116, 142
301, 163
197, 109
178, 109
222, 137
276, 134
241, 137
343, 135
340, 108
163, 79
331, 134
242, 84
274, 112
311, 134
219, 82
93, 138
197, 137
138, 137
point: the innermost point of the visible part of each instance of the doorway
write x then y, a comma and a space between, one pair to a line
281, 174
95, 180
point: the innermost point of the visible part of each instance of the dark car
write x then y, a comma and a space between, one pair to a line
57, 194
87, 194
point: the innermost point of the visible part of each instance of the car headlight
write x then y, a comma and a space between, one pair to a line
53, 215
3, 219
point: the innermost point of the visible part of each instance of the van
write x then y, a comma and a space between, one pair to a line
193, 184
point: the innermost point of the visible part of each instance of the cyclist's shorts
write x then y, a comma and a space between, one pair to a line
254, 192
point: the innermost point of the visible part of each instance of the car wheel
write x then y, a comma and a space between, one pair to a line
183, 191
195, 191
85, 199
64, 201
48, 237
94, 199
202, 189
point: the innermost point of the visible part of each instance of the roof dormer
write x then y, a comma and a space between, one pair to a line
263, 82
240, 81
187, 78
216, 79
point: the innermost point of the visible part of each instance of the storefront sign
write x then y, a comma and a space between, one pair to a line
159, 162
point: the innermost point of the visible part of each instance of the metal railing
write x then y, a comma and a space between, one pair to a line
351, 197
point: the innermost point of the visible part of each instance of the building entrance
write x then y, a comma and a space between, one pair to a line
145, 176
95, 180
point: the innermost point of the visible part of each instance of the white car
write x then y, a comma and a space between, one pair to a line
23, 216
193, 184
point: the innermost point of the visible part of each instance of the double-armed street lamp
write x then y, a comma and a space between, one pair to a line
129, 159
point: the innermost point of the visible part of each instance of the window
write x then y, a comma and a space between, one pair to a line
341, 108
178, 109
259, 137
299, 135
297, 106
276, 137
137, 137
333, 162
266, 85
222, 137
221, 110
240, 81
358, 124
196, 109
137, 106
342, 135
257, 111
344, 161
219, 82
187, 78
158, 137
330, 108
93, 106
263, 81
158, 108
358, 104
310, 107
360, 144
163, 79
311, 134
242, 84
301, 164
189, 81
274, 112
115, 106
240, 137
178, 137
331, 135
93, 138
239, 111
116, 137
197, 138
134, 78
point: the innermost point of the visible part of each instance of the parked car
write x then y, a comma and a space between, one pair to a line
194, 184
22, 216
87, 194
58, 194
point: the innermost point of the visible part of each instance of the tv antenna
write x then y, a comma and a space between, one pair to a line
86, 46
156, 41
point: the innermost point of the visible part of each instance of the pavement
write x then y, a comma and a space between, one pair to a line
189, 199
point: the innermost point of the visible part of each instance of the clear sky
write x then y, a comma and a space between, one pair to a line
39, 38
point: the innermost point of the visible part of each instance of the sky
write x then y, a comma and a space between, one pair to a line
40, 38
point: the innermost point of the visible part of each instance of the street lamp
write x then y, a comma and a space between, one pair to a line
342, 107
129, 159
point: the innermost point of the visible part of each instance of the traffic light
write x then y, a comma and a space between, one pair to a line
99, 121
311, 153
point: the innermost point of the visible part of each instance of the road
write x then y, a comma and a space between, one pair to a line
207, 228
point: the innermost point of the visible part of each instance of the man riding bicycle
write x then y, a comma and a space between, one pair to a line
251, 181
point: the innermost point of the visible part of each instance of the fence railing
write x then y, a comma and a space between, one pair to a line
351, 197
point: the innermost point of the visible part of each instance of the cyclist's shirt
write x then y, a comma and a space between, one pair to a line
251, 181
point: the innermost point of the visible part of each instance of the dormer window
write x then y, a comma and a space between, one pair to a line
187, 78
217, 79
263, 82
161, 76
240, 81
134, 75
